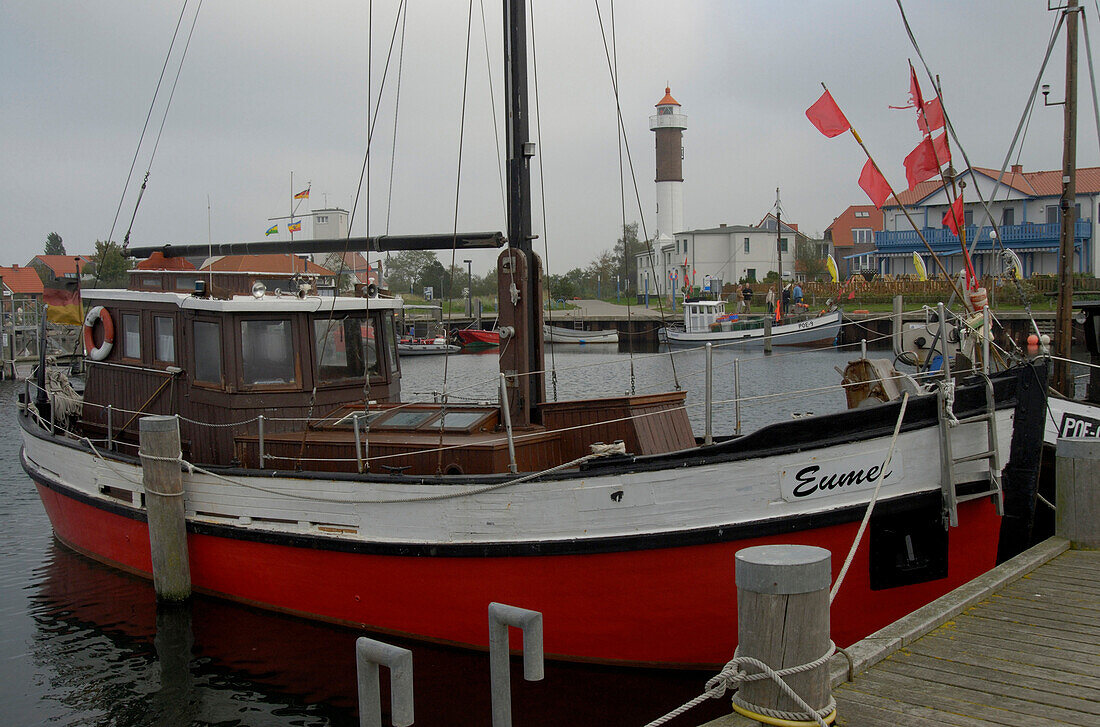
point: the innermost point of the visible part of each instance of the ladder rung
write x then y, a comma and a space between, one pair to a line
971, 420
976, 495
989, 454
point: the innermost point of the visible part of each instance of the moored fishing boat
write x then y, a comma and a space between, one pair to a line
705, 321
558, 334
476, 338
312, 488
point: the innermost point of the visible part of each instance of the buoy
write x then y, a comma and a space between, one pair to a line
1044, 339
1033, 340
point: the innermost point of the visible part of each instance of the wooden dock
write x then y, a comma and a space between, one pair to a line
1019, 645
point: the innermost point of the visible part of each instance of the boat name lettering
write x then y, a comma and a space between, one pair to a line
824, 478
805, 324
1075, 425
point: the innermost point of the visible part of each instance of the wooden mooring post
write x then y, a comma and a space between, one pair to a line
783, 620
163, 483
1077, 477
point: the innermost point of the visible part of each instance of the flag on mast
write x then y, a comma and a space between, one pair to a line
274, 229
827, 116
294, 226
874, 184
304, 194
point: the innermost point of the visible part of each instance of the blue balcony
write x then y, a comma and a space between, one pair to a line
1027, 237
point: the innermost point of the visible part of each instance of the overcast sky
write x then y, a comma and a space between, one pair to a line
270, 88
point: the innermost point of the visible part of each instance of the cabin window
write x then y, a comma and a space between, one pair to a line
131, 335
208, 352
267, 352
390, 340
186, 284
164, 339
340, 344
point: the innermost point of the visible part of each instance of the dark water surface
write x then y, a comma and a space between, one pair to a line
82, 644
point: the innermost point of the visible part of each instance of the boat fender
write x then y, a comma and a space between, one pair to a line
99, 313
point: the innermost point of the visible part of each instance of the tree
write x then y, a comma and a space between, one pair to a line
808, 259
627, 249
408, 270
111, 267
54, 245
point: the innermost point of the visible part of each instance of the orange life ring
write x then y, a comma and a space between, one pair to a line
99, 313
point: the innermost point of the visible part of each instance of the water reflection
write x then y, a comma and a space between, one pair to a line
109, 655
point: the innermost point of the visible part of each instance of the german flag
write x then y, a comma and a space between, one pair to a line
304, 194
62, 296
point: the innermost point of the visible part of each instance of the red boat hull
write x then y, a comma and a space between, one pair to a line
477, 337
669, 606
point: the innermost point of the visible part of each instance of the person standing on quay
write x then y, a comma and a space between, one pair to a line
769, 299
746, 293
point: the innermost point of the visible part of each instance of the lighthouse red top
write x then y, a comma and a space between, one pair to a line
668, 100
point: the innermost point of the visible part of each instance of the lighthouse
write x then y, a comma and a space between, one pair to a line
668, 125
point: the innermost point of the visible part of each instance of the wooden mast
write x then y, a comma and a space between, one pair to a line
519, 270
1063, 333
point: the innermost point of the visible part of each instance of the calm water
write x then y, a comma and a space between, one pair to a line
82, 644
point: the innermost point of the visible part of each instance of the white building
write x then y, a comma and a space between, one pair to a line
723, 254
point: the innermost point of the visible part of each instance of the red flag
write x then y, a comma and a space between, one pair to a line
932, 118
827, 116
954, 219
915, 98
925, 161
874, 184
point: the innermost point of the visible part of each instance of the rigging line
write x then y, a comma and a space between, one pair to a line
397, 102
363, 174
396, 106
454, 239
1092, 73
373, 120
622, 191
148, 116
493, 107
633, 175
951, 128
542, 197
163, 119
1031, 107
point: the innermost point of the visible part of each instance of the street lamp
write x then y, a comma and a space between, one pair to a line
469, 289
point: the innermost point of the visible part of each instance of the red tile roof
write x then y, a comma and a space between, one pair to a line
844, 224
273, 263
668, 100
1033, 184
63, 264
21, 280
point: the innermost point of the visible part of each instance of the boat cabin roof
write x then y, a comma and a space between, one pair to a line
247, 303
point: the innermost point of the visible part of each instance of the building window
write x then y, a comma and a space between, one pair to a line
1008, 216
862, 236
968, 218
208, 352
267, 352
164, 339
863, 213
322, 219
131, 335
783, 244
750, 274
746, 246
1052, 214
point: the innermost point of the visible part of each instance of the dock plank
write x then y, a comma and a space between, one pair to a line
1006, 660
947, 697
1027, 654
